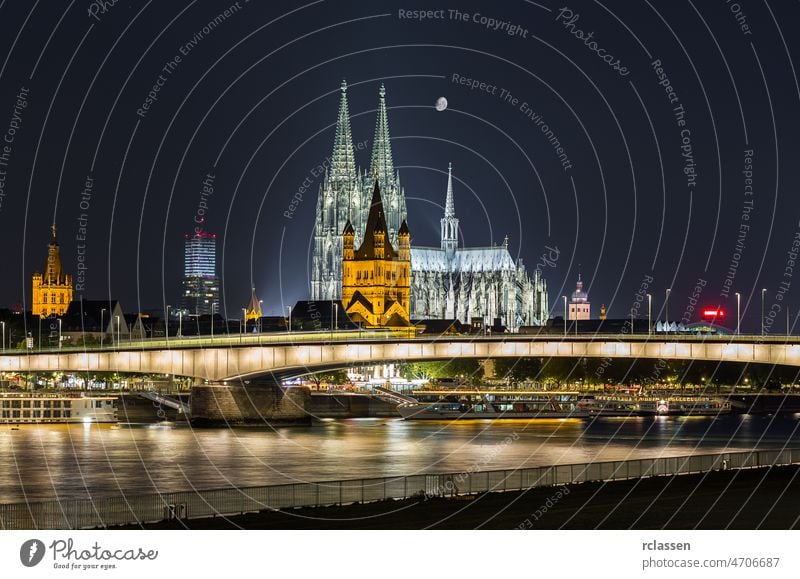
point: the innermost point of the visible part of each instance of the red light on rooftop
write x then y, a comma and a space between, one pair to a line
713, 313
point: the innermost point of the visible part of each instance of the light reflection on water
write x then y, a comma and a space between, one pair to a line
46, 462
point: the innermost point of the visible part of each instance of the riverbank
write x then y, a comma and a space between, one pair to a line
763, 498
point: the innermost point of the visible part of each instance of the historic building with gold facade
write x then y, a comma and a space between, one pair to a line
52, 290
376, 277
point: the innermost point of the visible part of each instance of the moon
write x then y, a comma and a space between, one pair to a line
441, 104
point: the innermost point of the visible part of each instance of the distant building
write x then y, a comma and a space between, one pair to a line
95, 318
579, 306
52, 290
200, 281
376, 282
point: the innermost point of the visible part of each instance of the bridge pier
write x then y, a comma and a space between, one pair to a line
220, 404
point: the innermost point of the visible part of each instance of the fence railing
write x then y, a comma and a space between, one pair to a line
151, 508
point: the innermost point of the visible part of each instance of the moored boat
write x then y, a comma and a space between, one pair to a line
28, 408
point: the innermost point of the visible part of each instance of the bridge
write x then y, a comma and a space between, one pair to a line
229, 358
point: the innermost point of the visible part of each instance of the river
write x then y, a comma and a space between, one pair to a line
66, 461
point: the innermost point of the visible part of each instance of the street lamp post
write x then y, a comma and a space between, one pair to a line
166, 324
59, 333
738, 309
118, 339
4, 334
180, 323
649, 314
244, 322
666, 306
763, 291
290, 318
565, 314
102, 328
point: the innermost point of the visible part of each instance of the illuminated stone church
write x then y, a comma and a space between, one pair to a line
447, 282
377, 277
52, 290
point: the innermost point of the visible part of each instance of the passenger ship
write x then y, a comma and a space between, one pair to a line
647, 406
26, 408
492, 404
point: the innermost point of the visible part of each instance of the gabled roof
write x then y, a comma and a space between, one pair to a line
465, 259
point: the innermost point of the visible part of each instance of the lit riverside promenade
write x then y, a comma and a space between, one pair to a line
229, 357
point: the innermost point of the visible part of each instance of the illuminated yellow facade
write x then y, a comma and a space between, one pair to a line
253, 309
376, 277
52, 290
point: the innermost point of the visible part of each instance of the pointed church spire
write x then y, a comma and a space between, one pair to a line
53, 270
449, 222
343, 164
382, 167
449, 206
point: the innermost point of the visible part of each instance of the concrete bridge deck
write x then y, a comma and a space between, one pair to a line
228, 358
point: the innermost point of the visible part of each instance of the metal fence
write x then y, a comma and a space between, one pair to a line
151, 508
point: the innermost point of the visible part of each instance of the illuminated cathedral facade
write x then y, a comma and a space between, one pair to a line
447, 282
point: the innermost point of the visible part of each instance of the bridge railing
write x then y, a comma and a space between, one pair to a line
377, 334
156, 507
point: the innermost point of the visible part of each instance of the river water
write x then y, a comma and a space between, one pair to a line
66, 461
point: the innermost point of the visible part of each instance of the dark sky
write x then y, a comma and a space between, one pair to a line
253, 100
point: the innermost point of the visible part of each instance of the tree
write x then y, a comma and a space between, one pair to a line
517, 369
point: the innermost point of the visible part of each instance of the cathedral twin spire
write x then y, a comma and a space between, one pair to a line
381, 166
345, 195
343, 160
343, 166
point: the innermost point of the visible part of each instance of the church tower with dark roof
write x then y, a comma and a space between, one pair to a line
52, 290
376, 276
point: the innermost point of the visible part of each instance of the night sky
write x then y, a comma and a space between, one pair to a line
658, 114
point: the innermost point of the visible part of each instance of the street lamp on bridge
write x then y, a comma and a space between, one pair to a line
738, 311
102, 329
166, 324
565, 314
